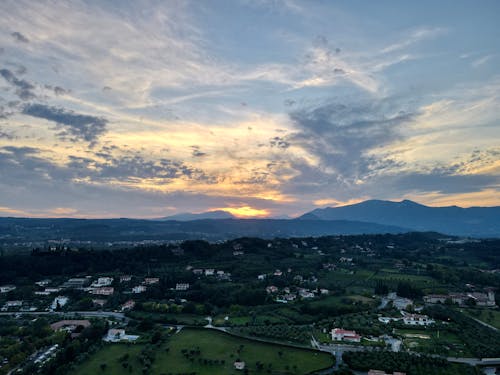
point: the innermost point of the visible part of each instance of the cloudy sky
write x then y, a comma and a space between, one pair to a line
262, 108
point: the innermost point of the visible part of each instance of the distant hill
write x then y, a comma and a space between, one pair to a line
218, 214
15, 230
474, 221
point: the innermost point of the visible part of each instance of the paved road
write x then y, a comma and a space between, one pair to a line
88, 314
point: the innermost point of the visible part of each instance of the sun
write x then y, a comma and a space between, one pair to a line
245, 212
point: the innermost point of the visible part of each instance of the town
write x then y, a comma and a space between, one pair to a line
341, 297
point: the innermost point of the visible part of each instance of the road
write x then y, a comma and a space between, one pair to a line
87, 314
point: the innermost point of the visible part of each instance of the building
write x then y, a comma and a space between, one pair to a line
102, 281
479, 299
261, 277
72, 326
138, 289
209, 272
239, 365
99, 302
182, 286
7, 288
43, 283
417, 320
76, 283
129, 305
59, 301
125, 278
151, 280
271, 289
11, 304
339, 334
117, 335
104, 291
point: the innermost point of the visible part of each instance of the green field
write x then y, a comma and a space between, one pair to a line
489, 316
216, 355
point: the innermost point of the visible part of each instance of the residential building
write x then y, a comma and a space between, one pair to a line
99, 302
151, 280
70, 326
182, 286
102, 281
129, 305
239, 365
76, 283
138, 289
271, 289
104, 291
417, 320
43, 283
7, 288
116, 335
125, 278
339, 334
59, 301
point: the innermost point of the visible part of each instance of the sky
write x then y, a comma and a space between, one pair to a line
262, 108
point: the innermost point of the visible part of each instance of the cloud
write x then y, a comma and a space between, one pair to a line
18, 37
196, 152
81, 127
341, 135
279, 142
24, 89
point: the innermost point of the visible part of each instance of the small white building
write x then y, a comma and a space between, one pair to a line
117, 335
239, 365
43, 283
7, 288
102, 281
339, 334
138, 289
417, 320
182, 286
59, 301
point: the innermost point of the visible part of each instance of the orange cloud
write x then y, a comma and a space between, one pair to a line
244, 211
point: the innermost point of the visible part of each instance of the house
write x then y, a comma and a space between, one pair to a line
198, 271
339, 334
271, 289
182, 286
125, 278
238, 253
75, 283
386, 319
306, 293
117, 335
129, 305
138, 289
261, 277
480, 299
277, 273
209, 272
70, 326
324, 291
43, 283
151, 280
239, 365
102, 281
7, 288
59, 301
10, 304
99, 302
417, 320
104, 291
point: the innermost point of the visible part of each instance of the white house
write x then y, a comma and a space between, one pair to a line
117, 335
102, 281
7, 288
339, 334
59, 301
417, 320
182, 286
138, 289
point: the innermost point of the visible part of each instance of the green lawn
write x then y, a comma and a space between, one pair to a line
217, 348
489, 316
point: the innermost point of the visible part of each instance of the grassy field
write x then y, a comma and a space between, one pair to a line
212, 353
489, 316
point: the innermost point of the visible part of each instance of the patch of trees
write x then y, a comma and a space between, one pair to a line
405, 362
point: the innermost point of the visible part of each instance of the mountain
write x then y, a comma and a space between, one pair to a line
100, 232
218, 214
453, 220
